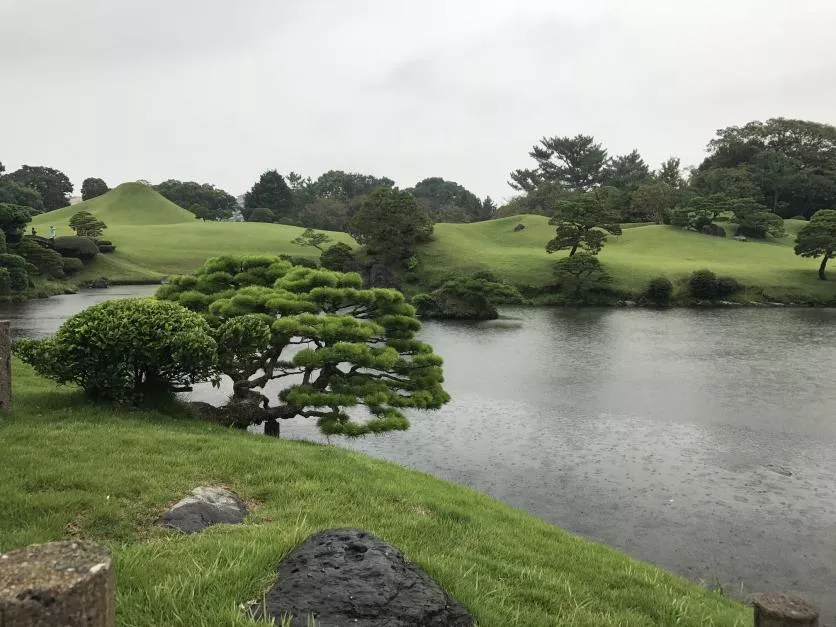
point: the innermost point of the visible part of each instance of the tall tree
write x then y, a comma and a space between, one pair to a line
390, 223
93, 187
270, 192
447, 201
670, 173
53, 185
574, 164
626, 171
651, 200
203, 199
488, 210
818, 238
14, 193
346, 186
582, 222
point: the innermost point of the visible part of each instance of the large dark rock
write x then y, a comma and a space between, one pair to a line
350, 577
205, 506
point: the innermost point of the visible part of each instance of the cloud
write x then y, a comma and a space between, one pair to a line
218, 92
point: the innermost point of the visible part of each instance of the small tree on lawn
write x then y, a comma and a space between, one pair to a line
85, 224
817, 238
581, 223
580, 274
339, 346
310, 237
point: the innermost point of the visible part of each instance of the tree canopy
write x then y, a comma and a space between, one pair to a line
574, 164
818, 238
447, 201
788, 165
53, 185
341, 345
85, 224
272, 192
473, 297
310, 237
13, 219
582, 221
93, 187
204, 200
390, 223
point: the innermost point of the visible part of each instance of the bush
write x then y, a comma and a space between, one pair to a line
659, 291
45, 260
103, 242
727, 286
703, 284
5, 282
106, 248
579, 275
74, 246
713, 229
519, 227
72, 265
338, 257
306, 262
126, 350
261, 214
18, 270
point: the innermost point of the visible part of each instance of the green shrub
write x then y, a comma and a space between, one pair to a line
727, 286
103, 242
703, 284
305, 262
580, 275
72, 265
713, 229
5, 282
338, 257
18, 269
659, 291
45, 260
473, 297
126, 350
106, 248
74, 246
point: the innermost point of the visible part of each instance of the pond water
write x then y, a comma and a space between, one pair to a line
702, 441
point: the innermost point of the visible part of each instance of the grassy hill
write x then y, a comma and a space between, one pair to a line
155, 237
76, 470
639, 254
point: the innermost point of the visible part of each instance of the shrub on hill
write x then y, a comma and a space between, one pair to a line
705, 285
71, 265
46, 261
659, 291
338, 257
126, 350
75, 246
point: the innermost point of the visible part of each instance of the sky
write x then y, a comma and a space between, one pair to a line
218, 92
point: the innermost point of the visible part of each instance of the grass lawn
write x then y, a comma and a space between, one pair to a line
155, 238
639, 254
73, 470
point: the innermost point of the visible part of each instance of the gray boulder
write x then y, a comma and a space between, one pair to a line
350, 577
205, 506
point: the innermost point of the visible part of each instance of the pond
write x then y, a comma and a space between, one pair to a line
701, 441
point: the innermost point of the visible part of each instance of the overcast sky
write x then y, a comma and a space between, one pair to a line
219, 91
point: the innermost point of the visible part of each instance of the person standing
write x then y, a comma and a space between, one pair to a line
51, 232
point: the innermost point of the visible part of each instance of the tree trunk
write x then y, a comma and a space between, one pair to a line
775, 203
574, 248
824, 264
271, 428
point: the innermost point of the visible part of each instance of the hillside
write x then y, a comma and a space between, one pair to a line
63, 456
155, 238
639, 254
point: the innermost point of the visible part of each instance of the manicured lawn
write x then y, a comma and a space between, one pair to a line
155, 238
71, 469
636, 256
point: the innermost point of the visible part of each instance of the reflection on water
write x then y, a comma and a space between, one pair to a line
701, 441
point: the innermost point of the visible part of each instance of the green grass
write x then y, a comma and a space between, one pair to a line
639, 254
155, 238
73, 470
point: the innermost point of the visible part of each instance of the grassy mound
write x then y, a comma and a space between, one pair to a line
128, 204
72, 470
639, 254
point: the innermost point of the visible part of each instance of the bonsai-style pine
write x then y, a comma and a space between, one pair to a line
338, 346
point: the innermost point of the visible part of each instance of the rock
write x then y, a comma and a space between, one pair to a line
783, 610
61, 583
629, 303
350, 577
205, 506
740, 238
775, 304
